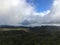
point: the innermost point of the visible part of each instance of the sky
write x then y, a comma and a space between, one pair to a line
41, 5
29, 12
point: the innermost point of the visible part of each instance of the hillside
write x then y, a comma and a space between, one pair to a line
44, 35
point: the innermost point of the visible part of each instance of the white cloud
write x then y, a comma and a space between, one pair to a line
55, 2
14, 11
55, 12
41, 13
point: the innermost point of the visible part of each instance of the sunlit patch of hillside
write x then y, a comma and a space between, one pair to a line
8, 29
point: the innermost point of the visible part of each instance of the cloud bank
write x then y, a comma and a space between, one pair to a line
15, 12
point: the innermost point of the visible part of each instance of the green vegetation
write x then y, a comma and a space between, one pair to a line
35, 36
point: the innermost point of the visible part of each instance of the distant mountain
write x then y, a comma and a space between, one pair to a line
32, 29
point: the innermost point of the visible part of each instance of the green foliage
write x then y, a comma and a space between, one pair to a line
41, 36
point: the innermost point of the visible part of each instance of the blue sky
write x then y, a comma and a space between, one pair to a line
41, 5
